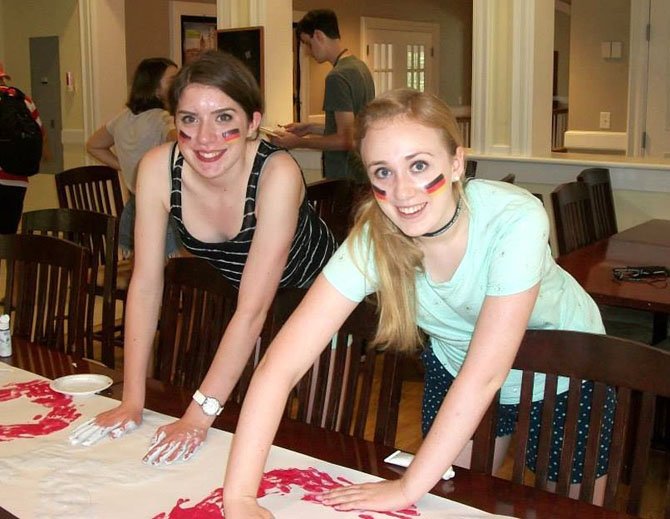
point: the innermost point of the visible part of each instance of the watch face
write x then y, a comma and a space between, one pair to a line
210, 406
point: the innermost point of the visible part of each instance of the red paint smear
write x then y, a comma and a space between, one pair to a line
62, 411
379, 193
278, 481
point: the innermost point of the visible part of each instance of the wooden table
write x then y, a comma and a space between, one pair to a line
644, 244
478, 490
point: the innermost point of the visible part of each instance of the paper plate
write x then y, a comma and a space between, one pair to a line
80, 385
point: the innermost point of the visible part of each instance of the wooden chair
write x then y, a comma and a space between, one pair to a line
333, 199
90, 188
45, 289
98, 233
602, 200
638, 372
573, 216
509, 178
96, 188
337, 392
198, 304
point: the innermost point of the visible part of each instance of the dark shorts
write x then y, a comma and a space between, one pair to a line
439, 380
127, 232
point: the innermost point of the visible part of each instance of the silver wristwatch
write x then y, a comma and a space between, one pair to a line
210, 405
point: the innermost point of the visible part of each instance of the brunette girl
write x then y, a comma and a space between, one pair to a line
237, 201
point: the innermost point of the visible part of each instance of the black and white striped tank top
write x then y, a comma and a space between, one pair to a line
313, 243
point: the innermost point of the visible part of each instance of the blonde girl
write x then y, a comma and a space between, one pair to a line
468, 264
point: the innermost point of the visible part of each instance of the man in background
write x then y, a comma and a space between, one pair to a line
349, 87
13, 185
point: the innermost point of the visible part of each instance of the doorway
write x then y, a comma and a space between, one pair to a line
401, 54
45, 91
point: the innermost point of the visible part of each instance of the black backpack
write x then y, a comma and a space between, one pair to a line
20, 135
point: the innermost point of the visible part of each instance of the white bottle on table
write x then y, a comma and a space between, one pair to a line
5, 337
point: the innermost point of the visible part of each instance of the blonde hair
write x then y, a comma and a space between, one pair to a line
397, 257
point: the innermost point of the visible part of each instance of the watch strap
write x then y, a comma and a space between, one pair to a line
200, 399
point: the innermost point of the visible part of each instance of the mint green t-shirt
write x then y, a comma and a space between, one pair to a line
507, 253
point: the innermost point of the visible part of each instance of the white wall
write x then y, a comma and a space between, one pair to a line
641, 191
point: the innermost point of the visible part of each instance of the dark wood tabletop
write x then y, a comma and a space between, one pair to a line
642, 245
481, 491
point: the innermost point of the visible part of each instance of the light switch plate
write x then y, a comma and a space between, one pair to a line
604, 120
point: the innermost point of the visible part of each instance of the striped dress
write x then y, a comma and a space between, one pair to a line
313, 243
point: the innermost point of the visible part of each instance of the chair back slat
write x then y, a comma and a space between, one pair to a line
602, 200
48, 274
366, 370
573, 216
643, 434
638, 374
569, 438
524, 421
618, 444
544, 447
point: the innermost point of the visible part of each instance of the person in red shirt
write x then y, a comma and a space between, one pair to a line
13, 187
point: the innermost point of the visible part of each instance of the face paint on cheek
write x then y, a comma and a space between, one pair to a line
379, 193
231, 135
436, 185
184, 136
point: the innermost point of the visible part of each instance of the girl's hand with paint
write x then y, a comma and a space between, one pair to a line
175, 442
381, 496
113, 423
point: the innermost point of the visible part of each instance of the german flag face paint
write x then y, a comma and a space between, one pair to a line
231, 135
379, 193
436, 186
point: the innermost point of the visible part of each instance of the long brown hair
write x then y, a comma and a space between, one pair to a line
397, 257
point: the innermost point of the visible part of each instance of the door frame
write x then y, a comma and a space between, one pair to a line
638, 76
370, 23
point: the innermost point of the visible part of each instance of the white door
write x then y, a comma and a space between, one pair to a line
658, 84
400, 59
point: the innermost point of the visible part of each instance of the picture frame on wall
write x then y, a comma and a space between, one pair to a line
198, 34
246, 44
188, 22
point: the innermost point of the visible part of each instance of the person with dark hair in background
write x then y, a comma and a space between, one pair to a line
143, 124
13, 184
239, 202
349, 87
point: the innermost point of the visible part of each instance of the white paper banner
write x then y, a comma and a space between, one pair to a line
42, 475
